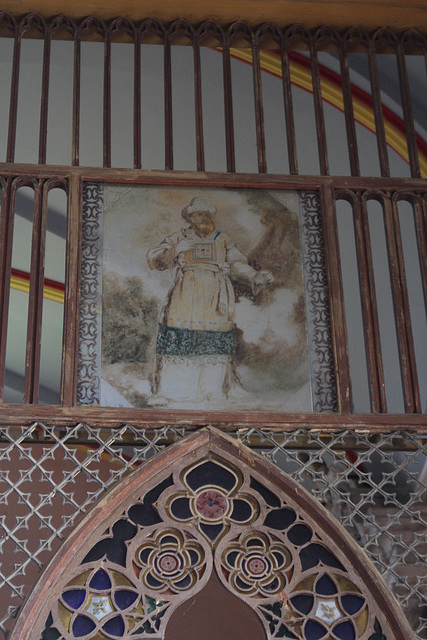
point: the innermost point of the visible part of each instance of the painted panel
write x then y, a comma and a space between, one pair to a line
210, 299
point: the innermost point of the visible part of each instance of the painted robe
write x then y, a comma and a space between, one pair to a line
195, 341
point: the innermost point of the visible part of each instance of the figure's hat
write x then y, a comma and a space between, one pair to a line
198, 205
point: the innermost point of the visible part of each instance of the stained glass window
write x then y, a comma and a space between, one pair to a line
213, 516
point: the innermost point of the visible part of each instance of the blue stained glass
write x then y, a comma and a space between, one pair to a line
194, 557
184, 583
255, 542
125, 598
280, 519
303, 603
210, 473
153, 582
273, 585
314, 631
145, 554
231, 558
279, 557
74, 598
325, 586
145, 513
82, 626
100, 581
158, 618
242, 510
345, 631
211, 530
124, 530
181, 509
314, 553
352, 604
268, 496
115, 626
244, 586
299, 534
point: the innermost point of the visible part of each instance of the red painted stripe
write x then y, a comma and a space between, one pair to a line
24, 275
364, 97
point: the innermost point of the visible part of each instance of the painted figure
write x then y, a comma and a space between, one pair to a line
195, 341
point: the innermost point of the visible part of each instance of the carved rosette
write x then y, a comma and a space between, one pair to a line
169, 560
213, 508
256, 565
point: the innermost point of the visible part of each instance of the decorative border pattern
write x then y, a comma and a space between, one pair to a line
89, 356
323, 382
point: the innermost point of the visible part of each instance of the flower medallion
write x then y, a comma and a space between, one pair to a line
100, 603
212, 500
169, 561
257, 566
329, 603
99, 606
327, 611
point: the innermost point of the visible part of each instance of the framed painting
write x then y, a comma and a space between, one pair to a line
203, 298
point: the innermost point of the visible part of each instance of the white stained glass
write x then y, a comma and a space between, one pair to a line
328, 611
100, 606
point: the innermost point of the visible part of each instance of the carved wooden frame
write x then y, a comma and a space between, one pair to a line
328, 189
316, 288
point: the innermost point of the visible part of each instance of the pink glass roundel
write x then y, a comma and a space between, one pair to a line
168, 563
211, 505
256, 566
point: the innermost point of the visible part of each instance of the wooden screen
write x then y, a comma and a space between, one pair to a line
338, 116
100, 90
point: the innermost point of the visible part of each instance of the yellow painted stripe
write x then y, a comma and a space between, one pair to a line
301, 77
50, 293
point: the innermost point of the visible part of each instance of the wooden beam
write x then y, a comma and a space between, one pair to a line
392, 13
111, 417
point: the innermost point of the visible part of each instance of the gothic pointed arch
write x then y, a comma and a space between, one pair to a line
208, 536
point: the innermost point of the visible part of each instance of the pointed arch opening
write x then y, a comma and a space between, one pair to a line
209, 536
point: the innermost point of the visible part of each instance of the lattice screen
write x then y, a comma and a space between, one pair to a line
373, 484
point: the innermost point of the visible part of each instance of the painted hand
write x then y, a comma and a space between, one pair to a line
263, 278
184, 245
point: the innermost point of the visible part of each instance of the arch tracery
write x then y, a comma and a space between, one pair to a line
208, 510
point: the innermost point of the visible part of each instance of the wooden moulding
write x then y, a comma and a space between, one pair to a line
336, 301
70, 341
336, 13
112, 417
209, 179
369, 309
